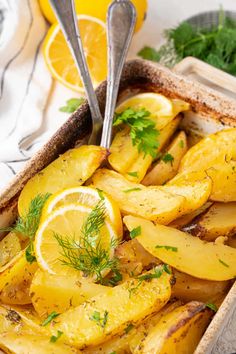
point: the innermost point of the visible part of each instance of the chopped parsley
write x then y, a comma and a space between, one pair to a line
129, 327
132, 190
135, 232
224, 264
72, 105
168, 248
100, 321
167, 158
212, 306
143, 131
50, 318
53, 339
133, 174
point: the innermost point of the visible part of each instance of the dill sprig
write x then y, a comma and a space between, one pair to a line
27, 225
88, 255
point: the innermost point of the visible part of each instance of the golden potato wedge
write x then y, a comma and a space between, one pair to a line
178, 332
186, 219
125, 157
133, 258
188, 288
108, 314
132, 335
186, 253
10, 246
214, 156
20, 320
71, 169
218, 220
14, 343
164, 171
15, 280
195, 194
152, 203
58, 293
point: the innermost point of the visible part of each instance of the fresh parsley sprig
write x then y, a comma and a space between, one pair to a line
72, 105
89, 254
216, 45
143, 132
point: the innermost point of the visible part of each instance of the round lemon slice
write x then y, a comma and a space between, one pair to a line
160, 107
88, 197
67, 242
60, 61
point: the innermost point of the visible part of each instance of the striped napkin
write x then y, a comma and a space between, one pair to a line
25, 84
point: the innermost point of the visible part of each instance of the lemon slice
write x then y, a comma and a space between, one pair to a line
60, 61
64, 227
88, 197
162, 109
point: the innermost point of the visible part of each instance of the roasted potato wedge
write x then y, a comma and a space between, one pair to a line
218, 220
133, 258
15, 280
164, 171
58, 293
152, 203
186, 253
71, 169
108, 314
10, 246
195, 194
125, 157
186, 219
20, 320
132, 335
14, 343
178, 332
214, 156
188, 288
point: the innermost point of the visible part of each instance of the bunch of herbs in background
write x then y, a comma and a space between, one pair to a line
216, 46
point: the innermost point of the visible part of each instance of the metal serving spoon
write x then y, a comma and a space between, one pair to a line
120, 22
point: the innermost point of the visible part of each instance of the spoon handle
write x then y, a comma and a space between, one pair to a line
66, 15
121, 21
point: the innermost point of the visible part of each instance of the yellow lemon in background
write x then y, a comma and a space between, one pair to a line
60, 61
95, 8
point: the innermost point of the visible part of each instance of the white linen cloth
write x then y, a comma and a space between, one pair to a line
25, 84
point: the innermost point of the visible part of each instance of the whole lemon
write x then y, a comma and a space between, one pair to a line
96, 8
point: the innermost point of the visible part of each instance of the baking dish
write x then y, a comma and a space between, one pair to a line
211, 111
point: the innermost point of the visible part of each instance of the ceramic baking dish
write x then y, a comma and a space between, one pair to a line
211, 111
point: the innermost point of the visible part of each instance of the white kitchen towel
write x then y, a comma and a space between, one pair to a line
25, 84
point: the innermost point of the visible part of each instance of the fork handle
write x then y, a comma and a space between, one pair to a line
121, 21
66, 15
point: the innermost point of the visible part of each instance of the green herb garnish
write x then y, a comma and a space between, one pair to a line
224, 264
215, 45
133, 174
212, 306
53, 339
116, 278
100, 321
181, 144
167, 158
168, 248
88, 255
132, 190
129, 327
135, 232
28, 224
143, 132
72, 105
158, 271
50, 318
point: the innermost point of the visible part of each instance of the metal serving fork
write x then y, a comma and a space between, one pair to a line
121, 21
